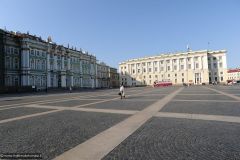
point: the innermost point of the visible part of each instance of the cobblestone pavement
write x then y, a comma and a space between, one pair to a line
180, 139
204, 107
54, 133
197, 122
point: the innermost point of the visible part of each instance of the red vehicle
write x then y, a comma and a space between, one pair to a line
162, 84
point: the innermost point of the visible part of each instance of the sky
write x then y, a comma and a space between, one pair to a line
118, 30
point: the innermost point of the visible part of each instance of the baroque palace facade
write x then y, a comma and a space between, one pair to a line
27, 60
191, 67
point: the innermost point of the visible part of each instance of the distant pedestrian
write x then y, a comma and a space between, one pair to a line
70, 89
122, 93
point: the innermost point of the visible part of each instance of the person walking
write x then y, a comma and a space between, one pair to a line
122, 93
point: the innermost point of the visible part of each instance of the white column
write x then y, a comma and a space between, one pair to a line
55, 80
81, 82
49, 80
185, 64
63, 81
55, 62
25, 67
71, 80
63, 66
192, 63
48, 61
92, 82
68, 63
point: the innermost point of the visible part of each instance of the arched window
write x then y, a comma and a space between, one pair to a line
43, 64
16, 63
38, 64
32, 64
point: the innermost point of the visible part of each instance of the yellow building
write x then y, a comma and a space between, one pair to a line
191, 67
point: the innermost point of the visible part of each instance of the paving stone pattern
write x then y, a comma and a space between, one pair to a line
70, 103
122, 105
208, 108
203, 97
17, 112
180, 139
54, 133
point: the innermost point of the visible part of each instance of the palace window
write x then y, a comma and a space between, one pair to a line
182, 67
215, 65
32, 52
43, 64
16, 81
220, 65
16, 63
15, 51
38, 64
8, 66
11, 50
197, 65
32, 64
8, 50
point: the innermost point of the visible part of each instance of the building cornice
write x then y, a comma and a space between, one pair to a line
171, 55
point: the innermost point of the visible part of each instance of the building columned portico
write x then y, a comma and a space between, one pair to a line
29, 61
192, 67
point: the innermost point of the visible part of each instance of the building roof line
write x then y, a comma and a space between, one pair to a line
164, 55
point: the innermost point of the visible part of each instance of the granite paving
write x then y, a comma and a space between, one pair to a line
70, 103
20, 111
123, 105
209, 108
203, 97
54, 133
180, 139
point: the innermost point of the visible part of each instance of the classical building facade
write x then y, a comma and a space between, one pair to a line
233, 75
114, 77
193, 67
103, 79
27, 60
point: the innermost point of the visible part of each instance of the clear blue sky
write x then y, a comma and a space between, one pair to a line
117, 30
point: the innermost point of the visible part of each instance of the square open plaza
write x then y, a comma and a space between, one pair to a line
195, 122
